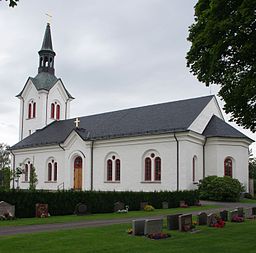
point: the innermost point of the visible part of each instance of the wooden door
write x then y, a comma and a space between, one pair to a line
78, 173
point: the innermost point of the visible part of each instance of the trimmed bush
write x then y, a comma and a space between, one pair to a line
64, 202
220, 188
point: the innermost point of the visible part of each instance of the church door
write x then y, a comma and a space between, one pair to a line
78, 173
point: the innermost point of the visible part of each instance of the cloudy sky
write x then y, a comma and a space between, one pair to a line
111, 54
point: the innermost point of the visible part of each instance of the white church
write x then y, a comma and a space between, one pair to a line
168, 146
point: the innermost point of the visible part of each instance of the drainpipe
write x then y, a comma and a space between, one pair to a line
66, 107
22, 119
178, 157
92, 143
46, 114
204, 156
13, 168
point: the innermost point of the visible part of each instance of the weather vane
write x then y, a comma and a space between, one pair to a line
49, 17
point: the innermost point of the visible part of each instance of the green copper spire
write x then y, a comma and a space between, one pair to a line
46, 59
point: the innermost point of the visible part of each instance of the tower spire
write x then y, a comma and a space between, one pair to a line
46, 54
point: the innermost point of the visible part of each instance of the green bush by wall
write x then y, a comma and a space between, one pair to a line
64, 202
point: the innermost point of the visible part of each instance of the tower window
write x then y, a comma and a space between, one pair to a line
31, 109
55, 111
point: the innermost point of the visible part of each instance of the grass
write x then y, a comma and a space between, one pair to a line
74, 218
248, 201
234, 237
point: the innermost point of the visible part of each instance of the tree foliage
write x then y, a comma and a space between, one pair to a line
223, 39
33, 178
12, 3
5, 173
220, 188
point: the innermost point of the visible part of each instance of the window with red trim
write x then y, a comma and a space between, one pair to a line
34, 109
194, 169
49, 171
57, 112
147, 169
228, 167
26, 173
55, 171
109, 170
52, 110
117, 172
157, 169
30, 111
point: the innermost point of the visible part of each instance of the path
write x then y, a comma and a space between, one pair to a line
13, 230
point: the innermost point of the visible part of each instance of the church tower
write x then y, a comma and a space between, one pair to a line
44, 97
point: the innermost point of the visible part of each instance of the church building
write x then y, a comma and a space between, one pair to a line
168, 146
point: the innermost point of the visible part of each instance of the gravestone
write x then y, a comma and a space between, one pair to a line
153, 226
118, 206
165, 205
138, 227
211, 219
81, 209
233, 214
240, 212
41, 210
185, 222
142, 205
224, 215
202, 218
253, 210
173, 221
248, 213
183, 204
6, 208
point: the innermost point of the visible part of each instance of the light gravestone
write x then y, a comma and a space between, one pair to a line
202, 218
185, 222
6, 208
118, 206
153, 226
165, 205
211, 219
138, 227
224, 215
173, 221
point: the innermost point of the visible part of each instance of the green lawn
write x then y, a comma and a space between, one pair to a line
248, 201
73, 218
234, 238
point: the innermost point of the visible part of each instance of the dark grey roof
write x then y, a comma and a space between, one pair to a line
47, 41
153, 119
219, 128
45, 81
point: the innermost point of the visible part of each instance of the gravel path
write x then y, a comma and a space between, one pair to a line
13, 230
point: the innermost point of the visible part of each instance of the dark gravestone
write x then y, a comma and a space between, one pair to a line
153, 226
165, 205
7, 209
185, 222
202, 218
142, 205
253, 210
81, 209
173, 221
41, 210
118, 206
138, 227
224, 215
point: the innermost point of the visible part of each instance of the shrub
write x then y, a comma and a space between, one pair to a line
220, 188
149, 208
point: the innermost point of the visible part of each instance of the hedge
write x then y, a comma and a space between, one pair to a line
64, 202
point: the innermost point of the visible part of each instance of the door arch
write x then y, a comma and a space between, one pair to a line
78, 165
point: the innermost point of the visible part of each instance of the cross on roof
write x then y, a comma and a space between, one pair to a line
49, 17
77, 121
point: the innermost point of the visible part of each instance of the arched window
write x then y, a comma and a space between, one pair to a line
109, 170
152, 167
26, 173
27, 170
30, 111
117, 171
157, 169
228, 167
52, 171
52, 110
57, 112
147, 169
194, 168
